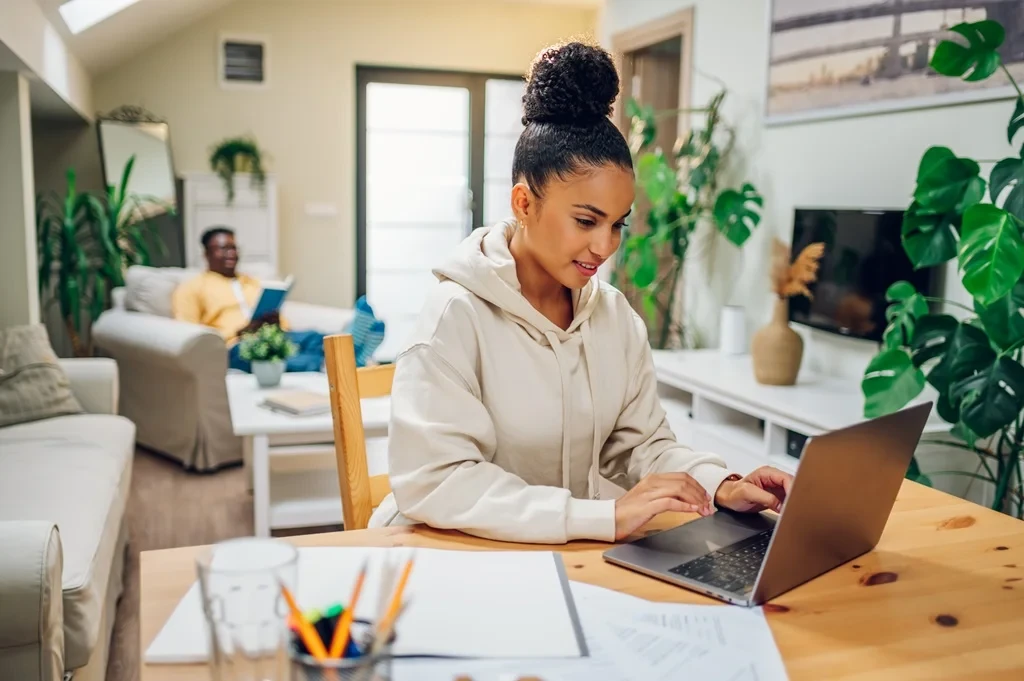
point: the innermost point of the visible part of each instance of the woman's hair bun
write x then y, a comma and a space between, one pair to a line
573, 83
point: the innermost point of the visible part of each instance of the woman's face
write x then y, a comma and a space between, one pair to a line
578, 224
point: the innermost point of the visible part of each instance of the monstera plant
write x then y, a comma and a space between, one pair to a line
683, 193
972, 359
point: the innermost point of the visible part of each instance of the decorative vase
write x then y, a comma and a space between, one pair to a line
777, 349
268, 373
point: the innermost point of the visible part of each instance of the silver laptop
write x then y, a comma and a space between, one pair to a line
842, 495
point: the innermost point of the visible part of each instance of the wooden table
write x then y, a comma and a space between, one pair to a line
942, 597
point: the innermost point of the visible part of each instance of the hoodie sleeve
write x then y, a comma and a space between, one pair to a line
642, 442
440, 443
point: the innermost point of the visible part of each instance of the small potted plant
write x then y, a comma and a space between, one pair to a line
267, 349
776, 349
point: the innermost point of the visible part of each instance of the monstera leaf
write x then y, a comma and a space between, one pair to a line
736, 213
1009, 173
1016, 120
890, 382
1003, 320
991, 399
978, 59
932, 334
946, 182
656, 177
907, 306
966, 351
991, 253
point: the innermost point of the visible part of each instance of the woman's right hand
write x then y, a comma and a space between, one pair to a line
657, 494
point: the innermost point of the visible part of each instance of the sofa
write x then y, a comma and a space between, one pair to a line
172, 372
64, 485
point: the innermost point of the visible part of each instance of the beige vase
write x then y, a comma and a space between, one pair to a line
777, 349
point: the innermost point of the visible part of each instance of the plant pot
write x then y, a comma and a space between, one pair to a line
268, 374
777, 350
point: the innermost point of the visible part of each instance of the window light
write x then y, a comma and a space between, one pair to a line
82, 14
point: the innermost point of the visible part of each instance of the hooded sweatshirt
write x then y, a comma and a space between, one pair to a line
502, 422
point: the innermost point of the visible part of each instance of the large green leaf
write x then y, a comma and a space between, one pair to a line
946, 182
890, 382
930, 239
1016, 120
1009, 173
932, 333
641, 261
991, 399
736, 213
991, 253
978, 59
907, 305
1003, 320
656, 178
966, 351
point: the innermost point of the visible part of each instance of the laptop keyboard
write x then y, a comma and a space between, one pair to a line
732, 568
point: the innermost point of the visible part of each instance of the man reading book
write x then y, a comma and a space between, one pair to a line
223, 299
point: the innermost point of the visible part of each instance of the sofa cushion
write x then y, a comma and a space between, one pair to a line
33, 385
149, 289
74, 471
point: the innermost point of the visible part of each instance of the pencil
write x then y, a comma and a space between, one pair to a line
306, 630
386, 624
343, 631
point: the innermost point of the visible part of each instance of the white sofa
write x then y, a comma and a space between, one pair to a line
64, 486
172, 373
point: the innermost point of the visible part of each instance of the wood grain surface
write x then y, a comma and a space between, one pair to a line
942, 596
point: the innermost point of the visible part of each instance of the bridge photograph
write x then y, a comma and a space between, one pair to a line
833, 58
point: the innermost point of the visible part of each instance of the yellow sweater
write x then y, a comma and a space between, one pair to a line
209, 299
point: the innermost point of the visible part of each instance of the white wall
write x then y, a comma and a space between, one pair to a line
25, 30
869, 161
19, 303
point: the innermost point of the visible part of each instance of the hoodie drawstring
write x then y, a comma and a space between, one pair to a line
595, 457
564, 382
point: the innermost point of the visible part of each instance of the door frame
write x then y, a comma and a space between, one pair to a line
475, 82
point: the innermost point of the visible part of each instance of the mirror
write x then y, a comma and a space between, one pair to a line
132, 131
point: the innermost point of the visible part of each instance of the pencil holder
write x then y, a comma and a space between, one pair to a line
369, 667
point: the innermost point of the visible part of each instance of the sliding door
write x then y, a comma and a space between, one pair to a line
430, 149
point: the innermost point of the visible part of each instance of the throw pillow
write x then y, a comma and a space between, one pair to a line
33, 385
150, 289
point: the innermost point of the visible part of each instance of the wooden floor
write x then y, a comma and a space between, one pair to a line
169, 507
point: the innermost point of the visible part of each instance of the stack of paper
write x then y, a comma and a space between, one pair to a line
476, 604
631, 639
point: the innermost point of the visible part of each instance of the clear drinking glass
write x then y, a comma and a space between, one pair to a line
240, 581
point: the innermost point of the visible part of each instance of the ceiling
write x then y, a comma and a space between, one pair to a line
132, 30
44, 101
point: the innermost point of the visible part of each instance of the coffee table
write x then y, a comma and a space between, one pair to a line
292, 458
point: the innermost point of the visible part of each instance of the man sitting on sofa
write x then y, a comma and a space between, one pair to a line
222, 299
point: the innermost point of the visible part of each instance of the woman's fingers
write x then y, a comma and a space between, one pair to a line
695, 498
756, 495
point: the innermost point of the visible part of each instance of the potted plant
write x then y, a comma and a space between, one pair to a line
238, 155
776, 349
972, 360
267, 349
683, 193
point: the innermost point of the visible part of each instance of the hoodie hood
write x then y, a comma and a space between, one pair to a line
484, 265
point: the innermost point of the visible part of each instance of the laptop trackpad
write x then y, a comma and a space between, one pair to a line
708, 534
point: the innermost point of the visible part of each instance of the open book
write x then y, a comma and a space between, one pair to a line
272, 297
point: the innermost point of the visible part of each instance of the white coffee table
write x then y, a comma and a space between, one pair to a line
291, 458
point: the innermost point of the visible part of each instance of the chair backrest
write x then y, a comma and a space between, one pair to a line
360, 493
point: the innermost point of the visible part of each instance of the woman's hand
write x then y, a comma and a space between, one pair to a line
765, 488
657, 494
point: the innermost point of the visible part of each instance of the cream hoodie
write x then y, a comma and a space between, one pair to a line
501, 422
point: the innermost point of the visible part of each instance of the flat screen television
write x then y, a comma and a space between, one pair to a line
863, 257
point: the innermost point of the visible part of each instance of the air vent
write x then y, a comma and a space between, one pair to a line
243, 62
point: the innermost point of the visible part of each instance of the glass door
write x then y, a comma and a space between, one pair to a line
425, 141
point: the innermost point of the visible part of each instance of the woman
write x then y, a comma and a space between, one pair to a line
528, 378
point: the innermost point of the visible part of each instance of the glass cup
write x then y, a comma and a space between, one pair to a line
246, 614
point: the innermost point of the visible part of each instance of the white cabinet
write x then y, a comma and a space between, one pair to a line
252, 215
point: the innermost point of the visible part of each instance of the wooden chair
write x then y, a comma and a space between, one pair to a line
360, 493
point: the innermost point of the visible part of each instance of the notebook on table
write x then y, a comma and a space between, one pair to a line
480, 604
298, 402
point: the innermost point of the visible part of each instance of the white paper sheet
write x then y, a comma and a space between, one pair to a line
465, 603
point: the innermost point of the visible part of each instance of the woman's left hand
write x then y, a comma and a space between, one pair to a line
764, 488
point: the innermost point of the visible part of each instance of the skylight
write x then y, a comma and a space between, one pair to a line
82, 14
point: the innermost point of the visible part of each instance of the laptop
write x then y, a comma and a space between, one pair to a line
836, 510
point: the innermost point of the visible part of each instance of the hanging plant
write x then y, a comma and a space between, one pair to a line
238, 155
